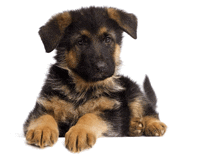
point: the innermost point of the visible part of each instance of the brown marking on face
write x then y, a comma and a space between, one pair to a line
116, 55
136, 107
59, 109
153, 126
84, 134
42, 131
102, 30
63, 19
85, 32
71, 59
99, 104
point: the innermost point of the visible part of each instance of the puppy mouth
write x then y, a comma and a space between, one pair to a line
101, 71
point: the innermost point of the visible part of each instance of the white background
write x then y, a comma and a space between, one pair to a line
178, 47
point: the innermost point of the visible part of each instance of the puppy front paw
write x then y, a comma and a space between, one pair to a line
78, 139
42, 136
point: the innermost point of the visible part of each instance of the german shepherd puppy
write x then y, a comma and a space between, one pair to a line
84, 97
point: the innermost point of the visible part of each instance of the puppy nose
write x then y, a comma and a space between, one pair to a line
101, 66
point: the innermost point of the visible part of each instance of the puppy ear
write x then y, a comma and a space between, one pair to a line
127, 21
52, 32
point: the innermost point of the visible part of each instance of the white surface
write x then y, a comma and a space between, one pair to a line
168, 147
178, 46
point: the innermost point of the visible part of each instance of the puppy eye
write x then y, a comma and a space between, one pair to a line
107, 39
81, 42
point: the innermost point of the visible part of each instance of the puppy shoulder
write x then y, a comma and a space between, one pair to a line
58, 83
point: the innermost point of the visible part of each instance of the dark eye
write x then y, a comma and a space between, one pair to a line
107, 39
81, 42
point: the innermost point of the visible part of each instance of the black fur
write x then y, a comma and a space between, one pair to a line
149, 91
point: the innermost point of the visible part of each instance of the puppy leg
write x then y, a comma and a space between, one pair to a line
84, 134
42, 131
154, 127
137, 124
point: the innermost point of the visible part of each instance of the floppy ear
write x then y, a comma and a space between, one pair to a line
127, 21
52, 32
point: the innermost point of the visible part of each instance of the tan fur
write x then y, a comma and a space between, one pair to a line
113, 14
108, 84
136, 127
102, 30
63, 19
42, 131
153, 126
117, 55
71, 59
99, 104
60, 109
85, 32
84, 134
65, 90
136, 107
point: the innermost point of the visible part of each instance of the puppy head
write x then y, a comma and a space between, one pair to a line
88, 40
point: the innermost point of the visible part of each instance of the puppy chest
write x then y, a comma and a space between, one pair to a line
64, 111
98, 105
